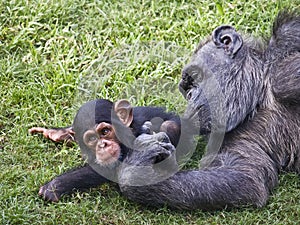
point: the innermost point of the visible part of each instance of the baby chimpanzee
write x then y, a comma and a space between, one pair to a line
105, 132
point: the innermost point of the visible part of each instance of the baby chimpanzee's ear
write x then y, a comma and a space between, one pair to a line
123, 109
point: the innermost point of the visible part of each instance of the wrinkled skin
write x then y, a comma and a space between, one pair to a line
234, 88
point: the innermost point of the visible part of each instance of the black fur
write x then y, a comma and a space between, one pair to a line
247, 90
92, 174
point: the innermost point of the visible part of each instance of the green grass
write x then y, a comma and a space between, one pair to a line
56, 54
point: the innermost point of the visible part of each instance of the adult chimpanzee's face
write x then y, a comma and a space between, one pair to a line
222, 69
103, 142
201, 85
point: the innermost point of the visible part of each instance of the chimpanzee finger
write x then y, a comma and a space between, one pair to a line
49, 192
147, 128
35, 130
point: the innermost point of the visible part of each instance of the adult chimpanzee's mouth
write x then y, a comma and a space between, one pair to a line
185, 91
185, 87
188, 94
182, 88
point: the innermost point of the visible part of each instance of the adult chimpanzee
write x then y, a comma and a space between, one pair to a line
100, 128
261, 120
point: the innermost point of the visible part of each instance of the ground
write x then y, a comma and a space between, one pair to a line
56, 54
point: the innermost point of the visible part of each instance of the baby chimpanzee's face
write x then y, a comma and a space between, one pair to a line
103, 142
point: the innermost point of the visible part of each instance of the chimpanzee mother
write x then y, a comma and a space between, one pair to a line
247, 90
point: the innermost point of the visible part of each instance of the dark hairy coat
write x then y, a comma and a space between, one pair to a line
248, 93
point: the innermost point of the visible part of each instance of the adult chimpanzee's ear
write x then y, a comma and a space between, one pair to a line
123, 109
227, 38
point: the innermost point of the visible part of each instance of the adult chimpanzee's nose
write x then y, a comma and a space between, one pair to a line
187, 77
184, 73
186, 81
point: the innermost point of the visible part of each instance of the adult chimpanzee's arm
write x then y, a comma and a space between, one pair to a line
203, 189
79, 179
149, 176
234, 184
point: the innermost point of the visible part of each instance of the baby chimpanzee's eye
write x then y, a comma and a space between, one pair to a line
105, 131
92, 138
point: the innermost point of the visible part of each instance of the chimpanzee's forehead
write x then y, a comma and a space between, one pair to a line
210, 56
103, 110
91, 113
